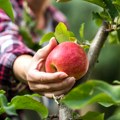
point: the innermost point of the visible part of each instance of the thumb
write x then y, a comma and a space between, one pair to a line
43, 53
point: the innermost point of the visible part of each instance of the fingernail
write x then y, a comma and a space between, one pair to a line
63, 75
71, 79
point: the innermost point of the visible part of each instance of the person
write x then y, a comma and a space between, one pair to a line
21, 67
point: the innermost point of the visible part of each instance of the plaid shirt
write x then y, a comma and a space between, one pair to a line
12, 45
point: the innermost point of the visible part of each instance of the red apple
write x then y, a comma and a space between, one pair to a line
67, 57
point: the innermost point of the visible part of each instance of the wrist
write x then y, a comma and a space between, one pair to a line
20, 67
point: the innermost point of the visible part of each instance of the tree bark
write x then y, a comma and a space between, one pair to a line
64, 112
95, 49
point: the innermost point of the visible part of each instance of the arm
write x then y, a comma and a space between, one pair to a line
11, 46
18, 60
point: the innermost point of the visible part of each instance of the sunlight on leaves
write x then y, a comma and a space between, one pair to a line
93, 91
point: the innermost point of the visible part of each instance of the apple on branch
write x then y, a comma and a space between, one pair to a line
68, 57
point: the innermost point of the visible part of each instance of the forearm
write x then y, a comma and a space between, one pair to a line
20, 67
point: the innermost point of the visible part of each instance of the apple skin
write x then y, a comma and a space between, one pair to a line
68, 57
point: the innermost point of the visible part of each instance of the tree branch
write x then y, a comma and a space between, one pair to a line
95, 49
64, 112
93, 53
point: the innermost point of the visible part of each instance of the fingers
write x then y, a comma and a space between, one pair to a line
59, 92
50, 87
42, 77
43, 53
55, 89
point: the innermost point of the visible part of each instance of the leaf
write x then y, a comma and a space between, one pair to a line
81, 31
97, 2
7, 7
46, 37
3, 100
116, 82
10, 110
27, 102
61, 33
99, 17
111, 9
117, 4
5, 108
93, 116
93, 91
2, 92
113, 37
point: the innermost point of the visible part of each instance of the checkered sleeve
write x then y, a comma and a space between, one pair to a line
11, 46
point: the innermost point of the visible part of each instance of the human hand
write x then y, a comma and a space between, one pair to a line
47, 84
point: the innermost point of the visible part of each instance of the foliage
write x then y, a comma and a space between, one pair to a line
20, 103
93, 91
90, 92
61, 33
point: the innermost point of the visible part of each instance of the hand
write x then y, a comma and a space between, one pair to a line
47, 84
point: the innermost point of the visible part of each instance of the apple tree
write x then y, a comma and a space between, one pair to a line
86, 91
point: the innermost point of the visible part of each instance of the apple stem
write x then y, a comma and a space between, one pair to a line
64, 112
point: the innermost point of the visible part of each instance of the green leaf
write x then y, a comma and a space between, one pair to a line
2, 92
61, 33
93, 116
113, 37
3, 100
27, 102
97, 2
10, 110
111, 9
93, 91
46, 38
5, 108
117, 4
81, 31
7, 7
99, 17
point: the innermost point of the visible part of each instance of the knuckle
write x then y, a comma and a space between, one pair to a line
38, 54
29, 76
